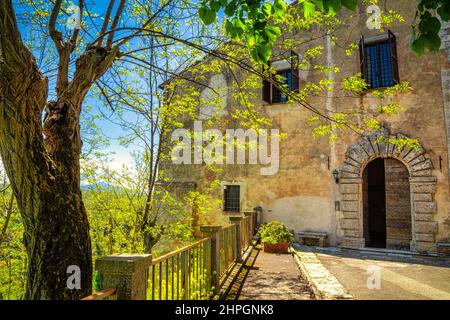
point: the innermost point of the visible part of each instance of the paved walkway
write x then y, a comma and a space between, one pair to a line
270, 276
402, 277
323, 282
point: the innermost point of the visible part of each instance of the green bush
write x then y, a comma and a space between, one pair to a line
275, 232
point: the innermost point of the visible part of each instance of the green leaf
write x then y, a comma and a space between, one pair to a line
333, 6
267, 8
319, 4
419, 45
279, 10
309, 8
430, 25
230, 8
250, 40
273, 32
434, 42
261, 53
350, 4
215, 5
444, 12
279, 5
207, 15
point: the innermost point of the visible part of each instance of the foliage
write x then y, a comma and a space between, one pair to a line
254, 21
275, 232
115, 200
13, 258
426, 31
126, 205
258, 22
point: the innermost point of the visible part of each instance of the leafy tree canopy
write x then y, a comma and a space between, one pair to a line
257, 21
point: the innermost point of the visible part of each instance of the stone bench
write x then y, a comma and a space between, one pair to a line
312, 238
443, 248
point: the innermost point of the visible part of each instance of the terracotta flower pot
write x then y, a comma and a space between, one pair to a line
280, 247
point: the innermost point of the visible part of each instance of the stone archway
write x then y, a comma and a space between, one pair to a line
422, 187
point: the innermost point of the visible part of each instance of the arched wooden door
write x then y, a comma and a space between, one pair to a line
387, 205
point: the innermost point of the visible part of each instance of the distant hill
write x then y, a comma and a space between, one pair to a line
102, 184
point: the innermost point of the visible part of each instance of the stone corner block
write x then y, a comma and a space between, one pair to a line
123, 264
425, 207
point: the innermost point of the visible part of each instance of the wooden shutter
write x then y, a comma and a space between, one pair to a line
363, 59
276, 94
294, 71
394, 57
266, 88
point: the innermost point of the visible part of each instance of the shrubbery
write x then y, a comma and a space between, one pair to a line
275, 232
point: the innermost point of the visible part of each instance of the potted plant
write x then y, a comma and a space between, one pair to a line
275, 237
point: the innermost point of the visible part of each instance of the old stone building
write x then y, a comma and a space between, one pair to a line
360, 190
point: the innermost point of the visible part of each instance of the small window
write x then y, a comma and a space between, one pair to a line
290, 77
277, 94
379, 63
232, 199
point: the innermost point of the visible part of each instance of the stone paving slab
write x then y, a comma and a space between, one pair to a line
271, 277
402, 277
325, 284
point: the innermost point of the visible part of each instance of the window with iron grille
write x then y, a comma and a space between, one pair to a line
379, 62
289, 77
286, 79
232, 199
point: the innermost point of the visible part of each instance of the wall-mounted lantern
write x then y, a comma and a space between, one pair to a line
336, 175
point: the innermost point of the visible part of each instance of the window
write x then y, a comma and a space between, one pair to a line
379, 62
277, 94
232, 199
271, 93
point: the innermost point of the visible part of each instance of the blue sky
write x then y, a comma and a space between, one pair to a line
121, 153
39, 36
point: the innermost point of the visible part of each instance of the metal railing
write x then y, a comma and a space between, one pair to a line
246, 232
183, 274
195, 272
228, 252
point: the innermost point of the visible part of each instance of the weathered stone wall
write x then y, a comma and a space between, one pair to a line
304, 194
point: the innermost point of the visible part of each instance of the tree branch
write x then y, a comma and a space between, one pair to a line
147, 23
8, 217
55, 34
106, 22
115, 23
76, 32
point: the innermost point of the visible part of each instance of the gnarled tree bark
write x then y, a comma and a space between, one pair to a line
42, 159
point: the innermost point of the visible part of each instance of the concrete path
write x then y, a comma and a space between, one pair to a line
270, 276
401, 277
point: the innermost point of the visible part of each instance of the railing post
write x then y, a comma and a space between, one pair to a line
213, 232
253, 225
237, 222
127, 273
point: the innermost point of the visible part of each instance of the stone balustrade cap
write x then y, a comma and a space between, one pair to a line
123, 263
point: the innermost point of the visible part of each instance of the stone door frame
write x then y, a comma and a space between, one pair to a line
422, 189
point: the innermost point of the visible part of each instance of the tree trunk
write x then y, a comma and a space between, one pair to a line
42, 161
59, 238
151, 237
